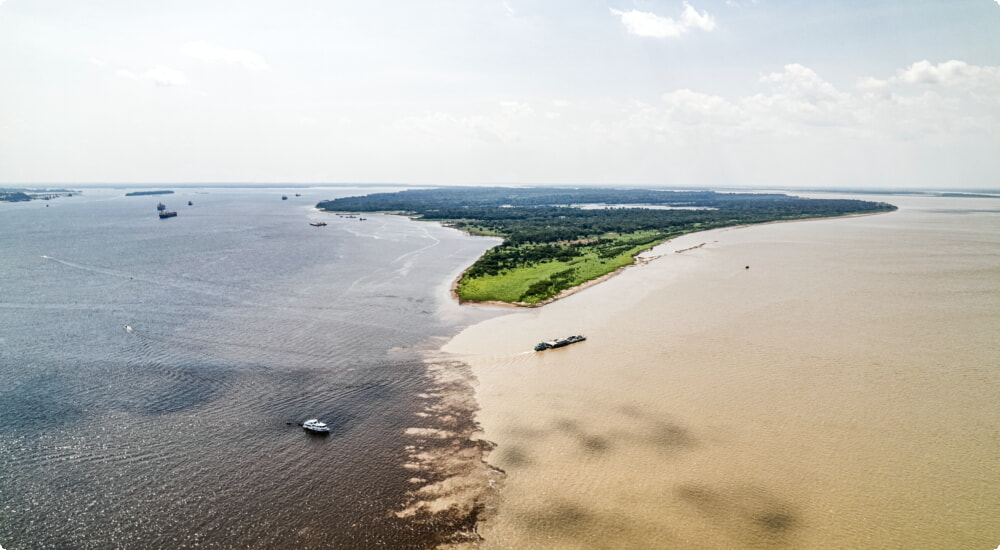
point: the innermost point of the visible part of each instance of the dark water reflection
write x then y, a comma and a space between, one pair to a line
245, 321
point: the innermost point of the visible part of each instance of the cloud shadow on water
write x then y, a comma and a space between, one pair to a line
514, 456
749, 514
561, 517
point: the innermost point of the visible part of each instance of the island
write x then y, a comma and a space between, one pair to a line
144, 193
14, 196
556, 239
24, 195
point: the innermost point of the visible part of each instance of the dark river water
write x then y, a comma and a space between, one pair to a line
182, 432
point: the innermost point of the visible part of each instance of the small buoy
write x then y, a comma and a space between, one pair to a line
748, 267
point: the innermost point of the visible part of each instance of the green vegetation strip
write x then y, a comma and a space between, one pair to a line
553, 243
539, 281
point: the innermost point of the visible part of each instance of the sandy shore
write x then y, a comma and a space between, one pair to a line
796, 404
640, 259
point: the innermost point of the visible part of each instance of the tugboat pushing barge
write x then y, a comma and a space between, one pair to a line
558, 343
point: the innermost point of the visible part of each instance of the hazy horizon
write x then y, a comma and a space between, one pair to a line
706, 93
322, 185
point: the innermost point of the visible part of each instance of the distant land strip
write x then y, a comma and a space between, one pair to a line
557, 239
25, 195
142, 193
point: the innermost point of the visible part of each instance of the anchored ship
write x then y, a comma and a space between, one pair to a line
162, 209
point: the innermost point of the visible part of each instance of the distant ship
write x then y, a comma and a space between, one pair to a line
162, 209
284, 197
552, 344
190, 203
318, 224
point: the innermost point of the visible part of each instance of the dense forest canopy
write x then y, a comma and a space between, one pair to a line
545, 215
14, 196
445, 197
24, 195
556, 238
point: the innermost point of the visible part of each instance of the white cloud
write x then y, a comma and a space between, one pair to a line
212, 52
803, 83
694, 20
873, 88
692, 108
641, 23
871, 84
800, 105
165, 76
949, 73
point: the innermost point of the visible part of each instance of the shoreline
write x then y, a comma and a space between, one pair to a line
562, 294
638, 260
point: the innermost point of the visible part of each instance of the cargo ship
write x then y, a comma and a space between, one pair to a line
162, 209
558, 343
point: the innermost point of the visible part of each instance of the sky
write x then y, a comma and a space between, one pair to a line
706, 93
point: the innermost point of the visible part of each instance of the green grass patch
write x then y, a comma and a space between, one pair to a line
480, 230
542, 280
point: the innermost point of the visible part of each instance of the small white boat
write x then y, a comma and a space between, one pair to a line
314, 425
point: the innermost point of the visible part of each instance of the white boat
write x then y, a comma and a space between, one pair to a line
314, 425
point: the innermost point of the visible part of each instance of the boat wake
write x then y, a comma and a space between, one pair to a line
87, 268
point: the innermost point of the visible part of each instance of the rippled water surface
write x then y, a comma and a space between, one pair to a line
245, 321
841, 392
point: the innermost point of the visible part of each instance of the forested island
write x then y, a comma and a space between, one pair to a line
145, 193
24, 195
14, 196
558, 238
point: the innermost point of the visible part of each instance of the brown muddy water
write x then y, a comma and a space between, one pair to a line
822, 384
